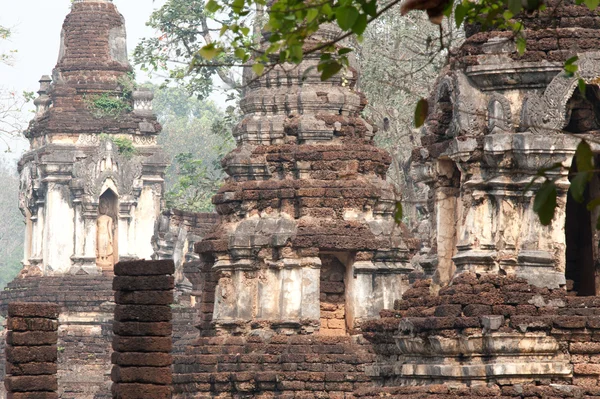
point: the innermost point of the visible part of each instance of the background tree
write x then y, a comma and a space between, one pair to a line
196, 135
12, 228
12, 123
399, 60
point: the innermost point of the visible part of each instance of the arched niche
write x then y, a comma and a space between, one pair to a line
107, 232
582, 268
583, 111
332, 295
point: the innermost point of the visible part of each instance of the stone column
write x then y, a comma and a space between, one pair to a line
31, 351
143, 330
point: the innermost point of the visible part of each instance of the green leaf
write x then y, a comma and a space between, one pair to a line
258, 69
581, 86
521, 45
360, 25
398, 213
459, 14
592, 4
212, 6
578, 185
544, 203
346, 17
570, 67
584, 157
371, 8
448, 8
593, 204
571, 60
344, 50
209, 51
296, 53
237, 6
240, 53
515, 6
421, 112
327, 10
312, 14
329, 69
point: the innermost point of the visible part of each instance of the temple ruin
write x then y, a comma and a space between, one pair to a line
91, 191
304, 285
94, 167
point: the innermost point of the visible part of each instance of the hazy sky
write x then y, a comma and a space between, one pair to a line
36, 26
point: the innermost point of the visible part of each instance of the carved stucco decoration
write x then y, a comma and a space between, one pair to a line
549, 111
27, 192
467, 117
500, 117
106, 164
94, 139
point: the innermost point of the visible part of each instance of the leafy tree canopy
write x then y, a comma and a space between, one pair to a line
196, 135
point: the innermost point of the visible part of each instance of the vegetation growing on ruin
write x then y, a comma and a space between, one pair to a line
124, 145
107, 105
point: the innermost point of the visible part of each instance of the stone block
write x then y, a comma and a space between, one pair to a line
140, 391
31, 354
32, 395
133, 328
144, 297
31, 324
474, 310
336, 323
142, 344
31, 368
31, 338
492, 323
448, 310
33, 309
145, 268
143, 283
586, 369
143, 313
144, 375
31, 383
154, 359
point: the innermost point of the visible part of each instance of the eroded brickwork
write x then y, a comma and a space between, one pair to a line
85, 331
501, 334
31, 351
297, 366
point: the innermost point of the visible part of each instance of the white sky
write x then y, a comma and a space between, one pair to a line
36, 26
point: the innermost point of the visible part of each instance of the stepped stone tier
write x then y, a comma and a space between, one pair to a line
92, 182
143, 330
306, 184
496, 119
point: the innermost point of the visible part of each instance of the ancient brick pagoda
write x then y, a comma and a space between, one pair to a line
304, 234
76, 175
306, 255
91, 190
306, 212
